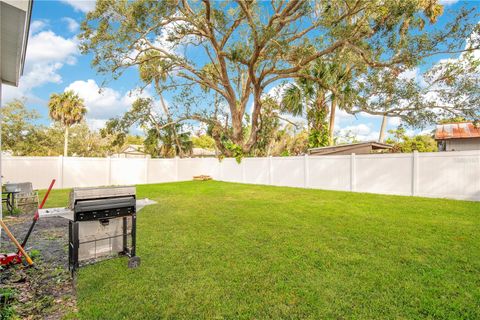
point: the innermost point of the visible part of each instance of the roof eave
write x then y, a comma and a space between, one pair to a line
15, 58
27, 33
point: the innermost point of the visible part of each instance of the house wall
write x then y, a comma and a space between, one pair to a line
453, 175
1, 182
14, 22
462, 144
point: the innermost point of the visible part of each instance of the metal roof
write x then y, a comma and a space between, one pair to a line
349, 147
201, 152
460, 130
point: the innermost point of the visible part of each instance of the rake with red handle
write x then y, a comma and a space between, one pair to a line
15, 258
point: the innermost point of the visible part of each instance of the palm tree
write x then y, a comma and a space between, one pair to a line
66, 108
308, 97
168, 142
342, 95
323, 82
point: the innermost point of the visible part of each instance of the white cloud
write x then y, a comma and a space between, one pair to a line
47, 53
427, 131
410, 132
361, 128
72, 24
461, 60
474, 40
448, 2
177, 48
413, 74
47, 46
394, 121
38, 25
362, 132
81, 5
276, 92
96, 124
103, 103
342, 117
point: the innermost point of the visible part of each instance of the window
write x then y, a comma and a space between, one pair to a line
442, 145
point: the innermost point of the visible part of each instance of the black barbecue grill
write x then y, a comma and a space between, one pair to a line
103, 226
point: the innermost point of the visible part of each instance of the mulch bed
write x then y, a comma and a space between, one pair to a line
45, 291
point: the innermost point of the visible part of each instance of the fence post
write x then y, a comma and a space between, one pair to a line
176, 168
270, 171
242, 168
220, 169
414, 172
60, 172
147, 157
306, 171
352, 172
109, 172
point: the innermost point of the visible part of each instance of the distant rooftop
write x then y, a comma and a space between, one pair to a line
200, 152
357, 148
459, 130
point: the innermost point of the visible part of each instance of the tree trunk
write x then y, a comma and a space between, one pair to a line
174, 129
237, 128
216, 135
381, 137
319, 105
65, 143
331, 127
255, 124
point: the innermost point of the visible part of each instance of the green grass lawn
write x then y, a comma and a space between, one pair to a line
232, 251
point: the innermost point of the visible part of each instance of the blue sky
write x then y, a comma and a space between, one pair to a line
54, 64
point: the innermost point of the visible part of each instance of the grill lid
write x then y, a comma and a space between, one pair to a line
100, 193
102, 203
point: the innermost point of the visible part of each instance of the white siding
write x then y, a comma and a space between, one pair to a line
462, 144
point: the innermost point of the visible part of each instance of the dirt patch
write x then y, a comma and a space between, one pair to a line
45, 291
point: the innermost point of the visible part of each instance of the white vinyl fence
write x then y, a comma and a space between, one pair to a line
443, 175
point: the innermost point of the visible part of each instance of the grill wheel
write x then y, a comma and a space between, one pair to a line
134, 262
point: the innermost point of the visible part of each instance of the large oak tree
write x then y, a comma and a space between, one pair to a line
239, 49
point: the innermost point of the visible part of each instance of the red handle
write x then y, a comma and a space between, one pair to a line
44, 199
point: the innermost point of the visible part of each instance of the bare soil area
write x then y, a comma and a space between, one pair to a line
45, 291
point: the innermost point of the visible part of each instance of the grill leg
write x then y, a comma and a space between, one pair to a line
134, 234
125, 239
70, 245
73, 246
134, 261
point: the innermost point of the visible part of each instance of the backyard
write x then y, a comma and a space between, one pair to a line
236, 251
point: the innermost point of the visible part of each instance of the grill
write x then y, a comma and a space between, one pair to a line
103, 225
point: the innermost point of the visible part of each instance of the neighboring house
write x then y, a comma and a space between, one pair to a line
200, 153
458, 136
357, 148
131, 151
